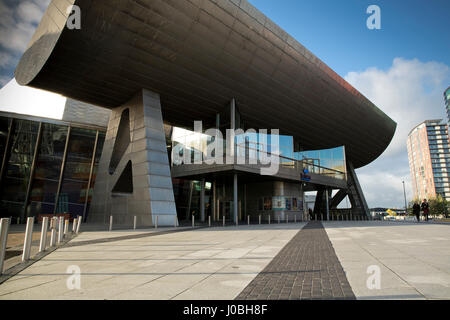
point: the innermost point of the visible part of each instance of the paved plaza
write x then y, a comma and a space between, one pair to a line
414, 259
317, 260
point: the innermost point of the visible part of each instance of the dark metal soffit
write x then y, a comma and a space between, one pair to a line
198, 54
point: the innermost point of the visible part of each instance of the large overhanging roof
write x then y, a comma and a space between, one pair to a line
198, 55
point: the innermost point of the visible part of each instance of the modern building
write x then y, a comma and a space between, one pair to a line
429, 159
48, 166
160, 66
447, 103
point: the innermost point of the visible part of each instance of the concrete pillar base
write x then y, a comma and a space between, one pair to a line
133, 176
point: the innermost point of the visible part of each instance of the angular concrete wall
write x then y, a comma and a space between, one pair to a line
151, 194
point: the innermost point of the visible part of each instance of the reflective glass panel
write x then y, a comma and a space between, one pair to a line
48, 168
18, 167
76, 171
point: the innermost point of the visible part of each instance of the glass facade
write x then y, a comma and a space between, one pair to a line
447, 103
48, 167
250, 146
429, 159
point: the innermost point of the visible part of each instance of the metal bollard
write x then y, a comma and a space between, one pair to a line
287, 218
60, 229
209, 221
295, 219
4, 228
248, 220
18, 220
111, 219
193, 221
53, 232
269, 218
78, 224
66, 228
134, 223
28, 240
156, 222
74, 225
43, 244
175, 222
259, 219
223, 218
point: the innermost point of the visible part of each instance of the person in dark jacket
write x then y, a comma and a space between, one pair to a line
416, 210
425, 208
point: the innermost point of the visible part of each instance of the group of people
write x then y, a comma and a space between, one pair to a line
424, 207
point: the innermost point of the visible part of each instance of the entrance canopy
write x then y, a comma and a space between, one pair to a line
198, 55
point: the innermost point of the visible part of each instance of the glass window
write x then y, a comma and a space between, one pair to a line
4, 128
48, 169
18, 167
76, 171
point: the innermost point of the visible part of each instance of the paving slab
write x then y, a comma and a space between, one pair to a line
413, 258
212, 263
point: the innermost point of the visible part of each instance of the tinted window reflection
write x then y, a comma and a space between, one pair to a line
18, 167
48, 167
76, 172
4, 128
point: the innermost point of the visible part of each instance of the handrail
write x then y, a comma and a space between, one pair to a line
303, 163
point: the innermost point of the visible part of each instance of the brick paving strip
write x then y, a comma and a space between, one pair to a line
306, 268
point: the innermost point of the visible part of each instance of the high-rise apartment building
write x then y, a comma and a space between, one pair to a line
447, 103
429, 159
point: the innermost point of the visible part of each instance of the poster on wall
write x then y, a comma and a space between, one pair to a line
294, 204
278, 203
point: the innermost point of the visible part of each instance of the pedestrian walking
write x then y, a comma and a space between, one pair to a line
425, 208
416, 210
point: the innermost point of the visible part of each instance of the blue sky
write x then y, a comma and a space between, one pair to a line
336, 32
403, 68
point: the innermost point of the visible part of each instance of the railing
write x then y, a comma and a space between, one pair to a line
244, 154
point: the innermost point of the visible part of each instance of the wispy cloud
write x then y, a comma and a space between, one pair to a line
410, 91
18, 21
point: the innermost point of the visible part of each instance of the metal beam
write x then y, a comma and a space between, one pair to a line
61, 173
90, 177
33, 168
202, 201
7, 150
235, 198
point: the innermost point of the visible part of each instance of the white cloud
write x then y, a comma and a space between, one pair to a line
6, 59
29, 12
18, 21
409, 92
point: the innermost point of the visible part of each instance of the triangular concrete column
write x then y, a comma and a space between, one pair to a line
138, 157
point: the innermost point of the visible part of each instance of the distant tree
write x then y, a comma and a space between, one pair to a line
438, 206
410, 205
